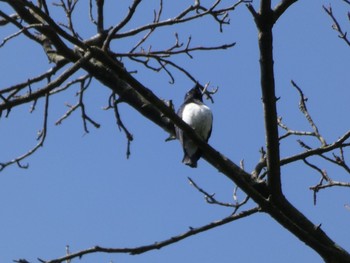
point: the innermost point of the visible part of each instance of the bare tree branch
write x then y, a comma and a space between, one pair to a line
113, 104
41, 139
281, 7
7, 19
42, 4
68, 8
13, 90
210, 199
100, 16
116, 28
264, 23
304, 110
336, 26
185, 16
13, 20
329, 184
48, 88
160, 244
317, 151
174, 51
157, 15
292, 132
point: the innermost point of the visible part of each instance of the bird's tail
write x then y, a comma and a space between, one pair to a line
189, 161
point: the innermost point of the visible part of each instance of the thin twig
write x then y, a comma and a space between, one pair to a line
113, 103
173, 51
48, 88
16, 88
336, 26
304, 110
185, 17
22, 30
158, 245
116, 28
290, 132
324, 178
81, 104
41, 137
317, 151
157, 15
210, 199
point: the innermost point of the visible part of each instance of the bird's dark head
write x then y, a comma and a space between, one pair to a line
194, 94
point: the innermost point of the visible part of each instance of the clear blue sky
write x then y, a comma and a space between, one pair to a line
81, 191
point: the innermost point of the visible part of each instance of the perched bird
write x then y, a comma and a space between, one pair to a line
199, 116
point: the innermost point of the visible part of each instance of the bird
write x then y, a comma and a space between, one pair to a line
199, 116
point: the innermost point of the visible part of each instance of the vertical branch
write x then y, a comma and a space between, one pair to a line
100, 18
264, 21
265, 6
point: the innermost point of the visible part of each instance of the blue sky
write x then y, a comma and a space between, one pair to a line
81, 191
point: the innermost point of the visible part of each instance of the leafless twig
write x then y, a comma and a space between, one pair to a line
120, 25
113, 104
290, 131
336, 26
41, 139
157, 15
341, 142
324, 178
210, 199
304, 110
68, 7
81, 104
260, 165
190, 13
31, 96
161, 56
157, 245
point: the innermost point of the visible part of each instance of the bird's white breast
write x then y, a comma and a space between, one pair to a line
199, 117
